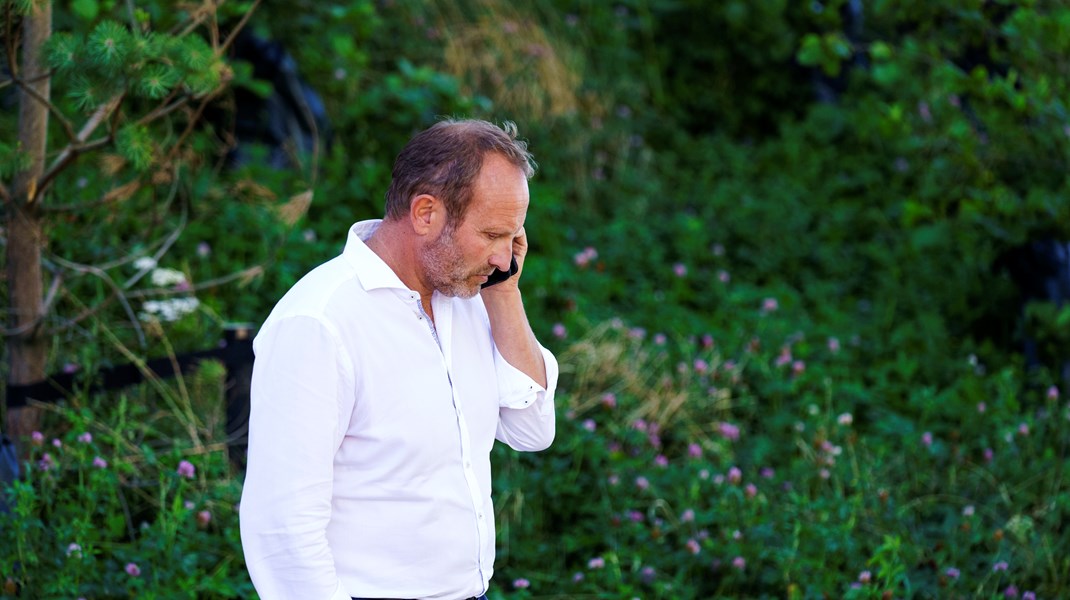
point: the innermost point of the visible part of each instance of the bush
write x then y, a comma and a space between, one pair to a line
790, 355
128, 497
765, 466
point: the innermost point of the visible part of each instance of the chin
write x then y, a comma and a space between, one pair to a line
460, 290
470, 291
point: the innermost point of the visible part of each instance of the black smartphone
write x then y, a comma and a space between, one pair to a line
499, 275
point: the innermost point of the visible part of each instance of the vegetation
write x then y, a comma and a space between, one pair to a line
769, 247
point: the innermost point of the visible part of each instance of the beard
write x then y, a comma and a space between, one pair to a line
445, 270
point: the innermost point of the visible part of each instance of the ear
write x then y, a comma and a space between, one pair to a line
427, 214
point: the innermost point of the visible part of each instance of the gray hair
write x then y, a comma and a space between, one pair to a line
445, 160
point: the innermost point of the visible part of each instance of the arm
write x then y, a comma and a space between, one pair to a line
527, 372
509, 323
294, 430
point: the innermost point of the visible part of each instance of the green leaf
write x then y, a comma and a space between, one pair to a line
147, 47
109, 44
1063, 318
880, 51
61, 50
929, 236
811, 51
243, 77
915, 212
203, 82
134, 144
86, 10
23, 7
85, 93
195, 54
839, 45
157, 81
886, 75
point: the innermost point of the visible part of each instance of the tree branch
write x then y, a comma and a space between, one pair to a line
193, 122
162, 110
117, 193
237, 29
50, 297
247, 274
197, 18
171, 239
117, 294
132, 15
78, 145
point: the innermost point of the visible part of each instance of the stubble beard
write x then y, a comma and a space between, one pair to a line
445, 269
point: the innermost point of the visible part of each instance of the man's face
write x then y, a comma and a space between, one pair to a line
445, 267
458, 261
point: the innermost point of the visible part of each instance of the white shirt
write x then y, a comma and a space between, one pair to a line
370, 436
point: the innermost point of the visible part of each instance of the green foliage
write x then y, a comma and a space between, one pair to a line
111, 58
108, 46
22, 7
134, 145
156, 82
14, 159
826, 51
108, 510
759, 462
804, 291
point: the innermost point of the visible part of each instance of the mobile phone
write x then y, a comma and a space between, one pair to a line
499, 275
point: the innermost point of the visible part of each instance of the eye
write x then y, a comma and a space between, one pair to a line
493, 236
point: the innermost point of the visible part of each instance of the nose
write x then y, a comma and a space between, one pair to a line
500, 261
502, 256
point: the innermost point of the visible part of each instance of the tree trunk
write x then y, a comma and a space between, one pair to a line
27, 348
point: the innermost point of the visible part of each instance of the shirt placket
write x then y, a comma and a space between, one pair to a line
444, 325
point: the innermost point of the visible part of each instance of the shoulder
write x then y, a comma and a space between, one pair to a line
319, 293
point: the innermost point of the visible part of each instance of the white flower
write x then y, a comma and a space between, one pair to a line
167, 277
171, 309
145, 263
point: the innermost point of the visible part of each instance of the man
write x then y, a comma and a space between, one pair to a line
382, 379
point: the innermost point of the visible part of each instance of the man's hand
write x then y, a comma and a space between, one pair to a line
519, 251
508, 322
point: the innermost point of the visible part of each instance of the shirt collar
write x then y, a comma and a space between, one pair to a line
372, 272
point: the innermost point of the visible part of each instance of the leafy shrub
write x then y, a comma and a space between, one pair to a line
789, 355
766, 467
134, 499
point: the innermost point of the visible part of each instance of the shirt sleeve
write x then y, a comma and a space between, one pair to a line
298, 414
526, 409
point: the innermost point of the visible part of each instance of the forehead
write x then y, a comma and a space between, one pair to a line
499, 196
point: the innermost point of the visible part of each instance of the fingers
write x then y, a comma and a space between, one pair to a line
520, 243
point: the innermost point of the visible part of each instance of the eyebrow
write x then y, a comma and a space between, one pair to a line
500, 230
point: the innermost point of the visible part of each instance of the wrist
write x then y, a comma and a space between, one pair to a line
503, 293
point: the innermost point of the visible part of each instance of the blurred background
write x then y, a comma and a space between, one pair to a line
804, 265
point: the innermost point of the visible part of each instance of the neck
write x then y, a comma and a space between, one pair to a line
396, 248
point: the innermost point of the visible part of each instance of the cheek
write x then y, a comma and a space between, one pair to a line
479, 252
